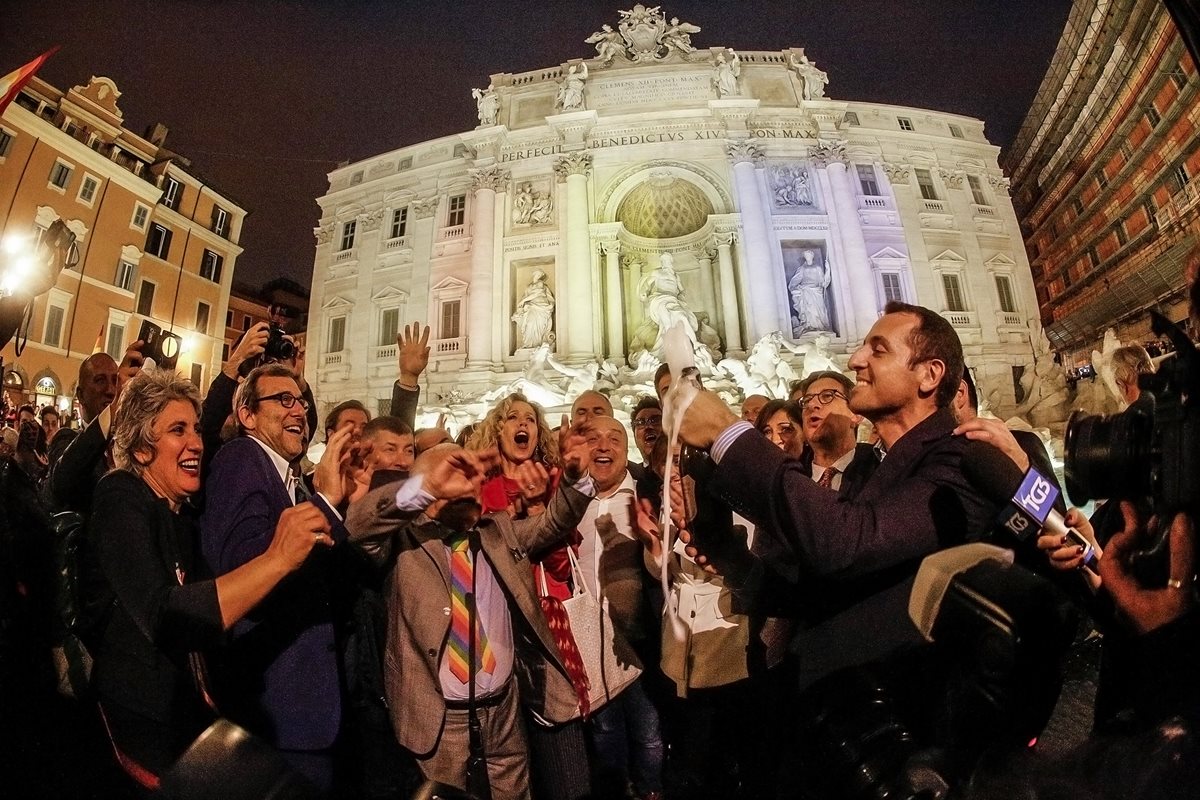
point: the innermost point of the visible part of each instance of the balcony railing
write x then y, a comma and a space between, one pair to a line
385, 352
1184, 199
454, 232
333, 359
983, 211
343, 256
449, 347
960, 319
874, 202
935, 206
399, 241
1008, 318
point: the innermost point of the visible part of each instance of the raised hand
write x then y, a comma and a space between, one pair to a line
575, 449
252, 345
644, 527
450, 472
335, 461
997, 434
533, 480
412, 347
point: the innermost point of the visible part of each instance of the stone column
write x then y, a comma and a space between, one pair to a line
573, 168
729, 304
421, 238
761, 306
708, 289
831, 157
484, 181
613, 300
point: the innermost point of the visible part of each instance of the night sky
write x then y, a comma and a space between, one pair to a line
267, 97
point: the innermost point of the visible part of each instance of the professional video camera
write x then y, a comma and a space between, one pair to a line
24, 276
279, 347
1151, 450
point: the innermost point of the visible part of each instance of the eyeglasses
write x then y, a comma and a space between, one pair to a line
286, 399
647, 422
825, 397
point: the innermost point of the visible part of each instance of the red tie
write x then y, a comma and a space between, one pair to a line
826, 479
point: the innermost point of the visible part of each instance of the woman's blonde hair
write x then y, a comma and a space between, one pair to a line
141, 401
487, 432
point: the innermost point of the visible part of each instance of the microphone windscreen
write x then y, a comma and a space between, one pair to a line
936, 573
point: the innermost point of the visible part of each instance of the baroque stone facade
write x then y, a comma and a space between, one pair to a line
781, 208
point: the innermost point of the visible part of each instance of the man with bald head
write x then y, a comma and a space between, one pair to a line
752, 405
625, 731
589, 405
78, 460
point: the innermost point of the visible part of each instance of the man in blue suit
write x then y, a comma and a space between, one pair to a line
282, 679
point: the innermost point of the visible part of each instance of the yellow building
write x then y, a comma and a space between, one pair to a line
156, 242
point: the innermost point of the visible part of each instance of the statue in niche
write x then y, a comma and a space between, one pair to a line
535, 312
487, 105
812, 79
531, 207
808, 288
609, 44
678, 36
662, 292
725, 74
791, 187
570, 91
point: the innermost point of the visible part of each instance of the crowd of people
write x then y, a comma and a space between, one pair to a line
510, 611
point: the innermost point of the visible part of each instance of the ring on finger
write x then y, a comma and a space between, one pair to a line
1174, 583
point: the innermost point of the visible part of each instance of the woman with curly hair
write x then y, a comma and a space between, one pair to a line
521, 485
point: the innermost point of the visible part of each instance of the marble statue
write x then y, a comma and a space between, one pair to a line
662, 292
678, 36
570, 91
531, 207
808, 287
579, 379
535, 312
1102, 362
764, 371
532, 383
1046, 393
609, 44
818, 357
812, 79
725, 74
487, 105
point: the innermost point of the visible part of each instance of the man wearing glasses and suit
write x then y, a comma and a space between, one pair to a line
836, 459
282, 679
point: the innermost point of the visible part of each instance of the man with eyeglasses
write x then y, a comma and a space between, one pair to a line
646, 421
830, 428
282, 680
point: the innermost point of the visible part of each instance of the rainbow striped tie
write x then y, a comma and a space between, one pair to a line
460, 627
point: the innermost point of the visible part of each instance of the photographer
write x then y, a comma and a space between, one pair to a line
250, 350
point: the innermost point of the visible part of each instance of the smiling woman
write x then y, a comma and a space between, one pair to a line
147, 615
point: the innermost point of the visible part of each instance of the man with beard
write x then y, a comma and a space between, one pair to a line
830, 428
432, 529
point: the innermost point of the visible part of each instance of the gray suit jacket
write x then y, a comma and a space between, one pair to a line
419, 601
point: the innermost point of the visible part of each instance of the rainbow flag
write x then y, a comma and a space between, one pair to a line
11, 83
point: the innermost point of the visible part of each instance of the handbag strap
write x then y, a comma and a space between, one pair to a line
581, 586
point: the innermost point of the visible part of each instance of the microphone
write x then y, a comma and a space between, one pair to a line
1027, 500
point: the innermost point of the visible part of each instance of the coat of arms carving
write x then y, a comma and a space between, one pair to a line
643, 34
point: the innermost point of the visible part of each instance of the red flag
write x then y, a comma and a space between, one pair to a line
11, 83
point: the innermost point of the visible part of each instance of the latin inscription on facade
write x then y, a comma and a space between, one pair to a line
656, 90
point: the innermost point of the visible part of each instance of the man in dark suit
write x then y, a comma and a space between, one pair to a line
831, 432
77, 460
282, 676
917, 501
1024, 448
417, 526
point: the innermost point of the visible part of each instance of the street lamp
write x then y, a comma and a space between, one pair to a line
26, 272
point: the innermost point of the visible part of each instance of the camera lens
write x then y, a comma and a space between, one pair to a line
1107, 456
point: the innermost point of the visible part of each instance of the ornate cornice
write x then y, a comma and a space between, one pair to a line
741, 150
610, 247
492, 177
999, 182
324, 233
572, 164
897, 173
825, 153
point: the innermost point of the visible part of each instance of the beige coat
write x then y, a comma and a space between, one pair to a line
419, 596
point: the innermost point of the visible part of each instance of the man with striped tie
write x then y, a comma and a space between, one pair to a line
444, 554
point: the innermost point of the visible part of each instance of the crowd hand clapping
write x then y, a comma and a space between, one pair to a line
333, 468
412, 347
575, 449
450, 472
300, 528
1150, 608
